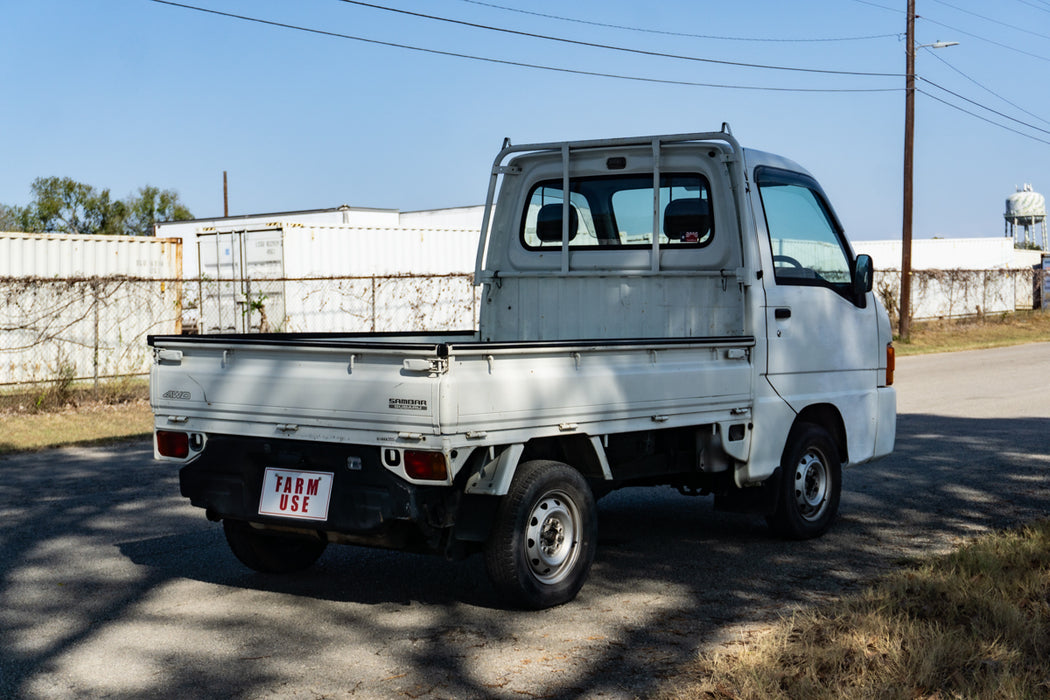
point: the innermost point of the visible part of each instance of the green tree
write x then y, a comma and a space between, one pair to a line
11, 218
63, 205
150, 206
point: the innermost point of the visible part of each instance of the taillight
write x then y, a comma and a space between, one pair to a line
429, 466
173, 444
891, 363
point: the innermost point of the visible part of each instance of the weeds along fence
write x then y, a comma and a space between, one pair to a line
94, 328
944, 294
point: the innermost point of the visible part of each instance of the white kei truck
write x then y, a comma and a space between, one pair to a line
668, 310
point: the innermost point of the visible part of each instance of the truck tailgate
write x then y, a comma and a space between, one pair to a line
322, 390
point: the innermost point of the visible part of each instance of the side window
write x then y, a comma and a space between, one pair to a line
803, 235
617, 211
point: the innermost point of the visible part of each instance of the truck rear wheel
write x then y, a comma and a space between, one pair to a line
810, 484
269, 552
542, 544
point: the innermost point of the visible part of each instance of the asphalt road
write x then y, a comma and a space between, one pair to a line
111, 585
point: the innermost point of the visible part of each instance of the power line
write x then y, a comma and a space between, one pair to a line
956, 29
984, 119
881, 7
992, 20
520, 64
610, 47
984, 39
985, 107
1045, 7
985, 88
669, 33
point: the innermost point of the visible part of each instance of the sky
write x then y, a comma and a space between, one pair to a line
119, 94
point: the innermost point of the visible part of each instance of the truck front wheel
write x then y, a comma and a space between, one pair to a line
542, 543
810, 484
271, 553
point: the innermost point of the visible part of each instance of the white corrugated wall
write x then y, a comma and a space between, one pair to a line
950, 254
69, 255
81, 306
340, 251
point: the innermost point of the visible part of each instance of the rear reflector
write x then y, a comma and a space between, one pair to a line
173, 444
891, 364
429, 466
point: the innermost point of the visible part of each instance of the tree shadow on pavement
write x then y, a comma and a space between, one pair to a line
103, 563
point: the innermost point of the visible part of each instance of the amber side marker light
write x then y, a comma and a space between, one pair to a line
429, 466
891, 364
173, 444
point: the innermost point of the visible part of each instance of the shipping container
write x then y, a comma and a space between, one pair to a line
297, 277
71, 255
188, 231
80, 307
345, 269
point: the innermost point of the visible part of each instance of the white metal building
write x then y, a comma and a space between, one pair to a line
957, 276
951, 253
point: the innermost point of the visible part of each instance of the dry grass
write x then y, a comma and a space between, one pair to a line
975, 333
65, 394
973, 624
54, 415
85, 424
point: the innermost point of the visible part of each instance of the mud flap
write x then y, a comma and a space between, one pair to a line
759, 500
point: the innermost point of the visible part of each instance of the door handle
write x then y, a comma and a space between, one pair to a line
781, 314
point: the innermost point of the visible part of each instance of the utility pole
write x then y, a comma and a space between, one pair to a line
909, 161
225, 196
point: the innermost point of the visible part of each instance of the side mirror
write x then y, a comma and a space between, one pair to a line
863, 275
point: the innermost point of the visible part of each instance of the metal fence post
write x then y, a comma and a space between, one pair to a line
95, 288
373, 303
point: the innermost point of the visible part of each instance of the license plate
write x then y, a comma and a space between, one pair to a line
296, 494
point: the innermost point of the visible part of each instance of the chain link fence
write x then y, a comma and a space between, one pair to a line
81, 328
95, 328
943, 294
374, 304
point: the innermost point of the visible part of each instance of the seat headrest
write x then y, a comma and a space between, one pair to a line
687, 220
548, 222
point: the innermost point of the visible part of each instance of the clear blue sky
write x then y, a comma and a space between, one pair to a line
123, 93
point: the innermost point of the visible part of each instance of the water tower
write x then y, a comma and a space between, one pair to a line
1025, 209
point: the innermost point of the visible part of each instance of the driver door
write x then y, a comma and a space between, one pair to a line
822, 335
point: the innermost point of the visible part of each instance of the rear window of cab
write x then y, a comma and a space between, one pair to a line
617, 212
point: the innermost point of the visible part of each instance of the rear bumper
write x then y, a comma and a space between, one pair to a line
368, 504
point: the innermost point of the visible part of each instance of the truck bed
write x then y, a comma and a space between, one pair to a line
442, 391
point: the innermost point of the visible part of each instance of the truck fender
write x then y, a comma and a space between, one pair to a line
494, 477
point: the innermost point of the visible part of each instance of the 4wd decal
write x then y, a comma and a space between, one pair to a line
176, 395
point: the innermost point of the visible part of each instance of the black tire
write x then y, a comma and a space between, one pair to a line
269, 552
543, 541
810, 484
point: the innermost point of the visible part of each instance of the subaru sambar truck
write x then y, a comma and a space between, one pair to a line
667, 310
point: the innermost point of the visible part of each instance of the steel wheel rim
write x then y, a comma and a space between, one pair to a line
551, 537
811, 485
